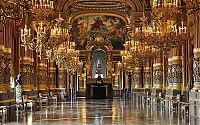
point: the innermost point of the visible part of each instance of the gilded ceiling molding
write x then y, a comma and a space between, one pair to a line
120, 15
63, 5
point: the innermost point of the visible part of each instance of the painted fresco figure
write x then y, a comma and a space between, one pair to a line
97, 24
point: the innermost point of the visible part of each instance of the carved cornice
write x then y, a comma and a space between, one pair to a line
63, 5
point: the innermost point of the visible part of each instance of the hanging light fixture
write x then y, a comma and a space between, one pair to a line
167, 31
42, 8
59, 34
37, 38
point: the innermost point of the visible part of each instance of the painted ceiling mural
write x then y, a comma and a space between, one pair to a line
113, 28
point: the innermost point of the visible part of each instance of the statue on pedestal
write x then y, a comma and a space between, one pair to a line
18, 89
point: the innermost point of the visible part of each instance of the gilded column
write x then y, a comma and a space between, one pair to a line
32, 71
196, 69
176, 72
7, 63
176, 68
25, 70
196, 51
42, 75
169, 73
158, 72
2, 65
62, 78
52, 72
147, 77
137, 82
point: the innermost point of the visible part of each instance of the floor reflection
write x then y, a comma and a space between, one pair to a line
101, 112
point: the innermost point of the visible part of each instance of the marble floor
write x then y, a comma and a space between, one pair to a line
100, 112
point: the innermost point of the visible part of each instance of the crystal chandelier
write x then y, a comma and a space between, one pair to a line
128, 61
32, 41
67, 57
58, 35
42, 7
142, 52
37, 38
167, 32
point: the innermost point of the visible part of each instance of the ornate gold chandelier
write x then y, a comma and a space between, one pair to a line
142, 52
58, 35
42, 7
67, 57
36, 39
167, 31
137, 53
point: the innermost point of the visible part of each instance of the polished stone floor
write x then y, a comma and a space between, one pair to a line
101, 112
